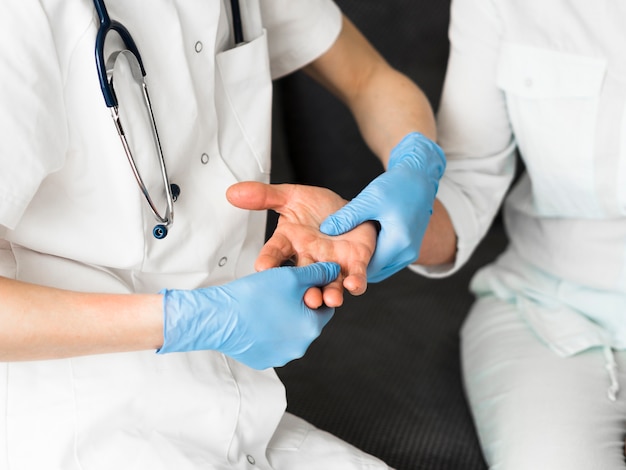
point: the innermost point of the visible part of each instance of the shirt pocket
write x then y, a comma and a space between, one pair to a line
243, 102
552, 99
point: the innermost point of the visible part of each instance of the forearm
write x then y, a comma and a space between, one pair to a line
388, 108
385, 103
44, 323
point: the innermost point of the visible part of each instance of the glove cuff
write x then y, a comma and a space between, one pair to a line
169, 333
422, 151
189, 321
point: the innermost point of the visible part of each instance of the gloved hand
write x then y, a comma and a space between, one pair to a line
401, 200
260, 320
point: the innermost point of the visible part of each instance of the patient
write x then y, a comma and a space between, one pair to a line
544, 345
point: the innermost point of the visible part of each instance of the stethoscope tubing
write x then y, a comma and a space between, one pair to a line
237, 24
107, 25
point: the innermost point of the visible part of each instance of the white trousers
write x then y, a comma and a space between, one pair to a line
534, 410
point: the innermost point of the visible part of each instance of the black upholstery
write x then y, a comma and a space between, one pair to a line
385, 374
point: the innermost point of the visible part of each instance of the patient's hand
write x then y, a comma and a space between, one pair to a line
297, 236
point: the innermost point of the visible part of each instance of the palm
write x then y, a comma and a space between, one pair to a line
297, 236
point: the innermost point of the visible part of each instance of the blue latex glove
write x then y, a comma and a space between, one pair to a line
260, 320
401, 200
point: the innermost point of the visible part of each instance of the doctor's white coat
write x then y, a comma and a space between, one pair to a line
72, 217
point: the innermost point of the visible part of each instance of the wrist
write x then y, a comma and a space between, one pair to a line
186, 319
153, 320
168, 332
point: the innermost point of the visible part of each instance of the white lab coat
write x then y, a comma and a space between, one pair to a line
72, 217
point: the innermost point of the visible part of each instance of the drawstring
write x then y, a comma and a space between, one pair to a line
611, 367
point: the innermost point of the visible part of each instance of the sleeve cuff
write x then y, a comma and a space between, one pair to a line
13, 204
465, 227
295, 42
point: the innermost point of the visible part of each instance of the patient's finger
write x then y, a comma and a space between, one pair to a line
333, 293
355, 281
253, 195
355, 284
313, 298
274, 253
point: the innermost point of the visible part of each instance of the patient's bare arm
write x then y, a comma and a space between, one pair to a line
297, 236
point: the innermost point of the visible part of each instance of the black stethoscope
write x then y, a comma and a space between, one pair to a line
105, 75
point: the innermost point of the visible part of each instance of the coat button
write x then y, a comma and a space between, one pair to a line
251, 460
198, 46
222, 262
204, 158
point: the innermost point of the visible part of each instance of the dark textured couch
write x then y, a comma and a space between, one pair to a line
385, 374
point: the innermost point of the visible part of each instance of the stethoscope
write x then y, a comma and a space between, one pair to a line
105, 75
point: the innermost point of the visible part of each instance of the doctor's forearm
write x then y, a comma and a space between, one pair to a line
385, 103
390, 108
43, 323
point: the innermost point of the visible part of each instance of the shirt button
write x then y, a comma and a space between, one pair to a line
222, 262
198, 46
528, 82
204, 158
251, 460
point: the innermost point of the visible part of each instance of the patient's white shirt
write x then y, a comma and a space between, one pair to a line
549, 80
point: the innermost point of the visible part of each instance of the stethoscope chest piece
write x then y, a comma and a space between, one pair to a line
160, 230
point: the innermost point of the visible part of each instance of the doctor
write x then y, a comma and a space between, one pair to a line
96, 273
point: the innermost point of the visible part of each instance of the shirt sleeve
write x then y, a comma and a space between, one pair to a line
474, 129
299, 31
34, 135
